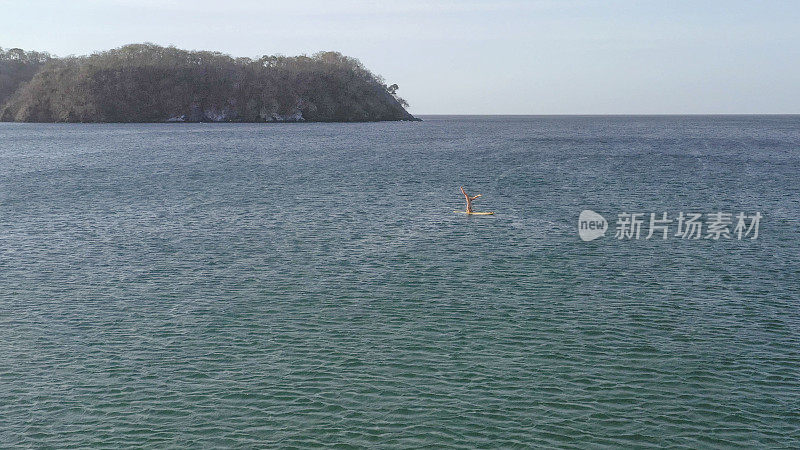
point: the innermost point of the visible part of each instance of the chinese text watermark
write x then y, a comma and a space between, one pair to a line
713, 226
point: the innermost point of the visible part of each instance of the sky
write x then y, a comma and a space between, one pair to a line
476, 57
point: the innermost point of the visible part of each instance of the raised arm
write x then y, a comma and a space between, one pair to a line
473, 198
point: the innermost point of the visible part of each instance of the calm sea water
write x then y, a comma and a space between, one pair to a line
310, 285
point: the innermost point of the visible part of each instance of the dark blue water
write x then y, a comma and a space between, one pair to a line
310, 285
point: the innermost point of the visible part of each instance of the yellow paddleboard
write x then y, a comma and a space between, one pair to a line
475, 213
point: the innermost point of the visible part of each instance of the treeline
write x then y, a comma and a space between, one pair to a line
17, 67
150, 83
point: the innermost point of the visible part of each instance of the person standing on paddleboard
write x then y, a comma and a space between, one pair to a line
469, 199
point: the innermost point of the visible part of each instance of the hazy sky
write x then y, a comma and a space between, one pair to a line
476, 57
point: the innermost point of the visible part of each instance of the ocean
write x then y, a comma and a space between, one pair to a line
309, 284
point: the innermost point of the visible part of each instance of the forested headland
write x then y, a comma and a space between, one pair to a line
151, 83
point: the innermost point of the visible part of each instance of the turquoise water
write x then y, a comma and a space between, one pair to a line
310, 285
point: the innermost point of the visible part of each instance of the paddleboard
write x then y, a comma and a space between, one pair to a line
474, 213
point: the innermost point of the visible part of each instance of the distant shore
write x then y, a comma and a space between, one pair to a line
146, 83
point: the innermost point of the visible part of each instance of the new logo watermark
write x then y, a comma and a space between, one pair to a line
591, 225
713, 226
